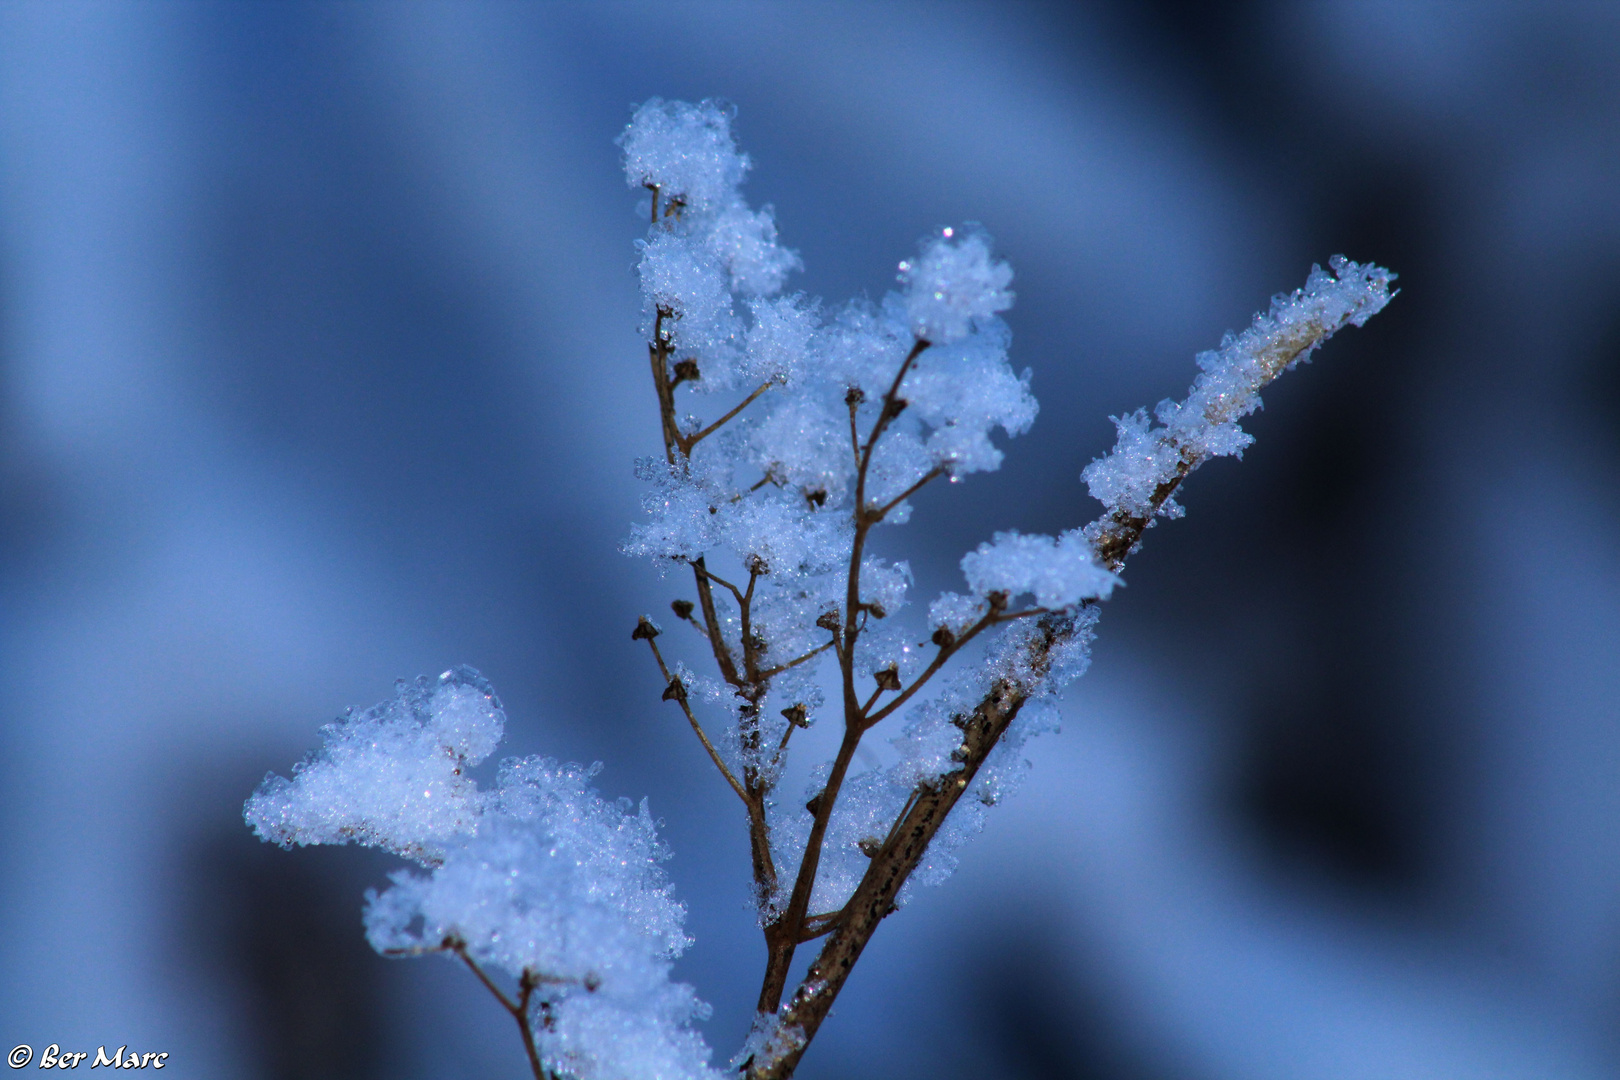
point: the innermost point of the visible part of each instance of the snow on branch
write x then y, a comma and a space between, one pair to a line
540, 878
1136, 481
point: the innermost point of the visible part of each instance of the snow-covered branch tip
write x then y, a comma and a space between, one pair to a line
1137, 480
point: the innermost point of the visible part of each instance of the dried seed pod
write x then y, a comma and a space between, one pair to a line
675, 691
645, 630
870, 846
797, 715
887, 678
829, 621
681, 608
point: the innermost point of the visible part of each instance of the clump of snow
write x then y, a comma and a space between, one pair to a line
394, 776
952, 282
1059, 571
686, 151
539, 877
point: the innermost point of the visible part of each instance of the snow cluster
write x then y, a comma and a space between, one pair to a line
539, 875
950, 285
773, 490
1228, 388
1059, 571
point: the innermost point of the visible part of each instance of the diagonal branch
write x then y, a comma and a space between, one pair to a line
1113, 536
883, 511
811, 655
686, 442
678, 692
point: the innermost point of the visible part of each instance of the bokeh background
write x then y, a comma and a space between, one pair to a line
318, 368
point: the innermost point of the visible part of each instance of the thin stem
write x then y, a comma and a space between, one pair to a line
519, 1009
811, 655
783, 935
883, 511
991, 618
750, 644
817, 925
686, 442
703, 570
711, 620
686, 707
853, 399
868, 706
761, 482
658, 353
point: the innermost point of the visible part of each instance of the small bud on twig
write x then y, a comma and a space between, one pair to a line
854, 396
814, 805
870, 846
685, 371
887, 678
829, 621
645, 630
681, 608
796, 715
944, 637
675, 691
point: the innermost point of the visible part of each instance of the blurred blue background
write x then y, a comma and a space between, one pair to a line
318, 367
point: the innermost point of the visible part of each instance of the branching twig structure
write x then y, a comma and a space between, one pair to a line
1113, 537
771, 512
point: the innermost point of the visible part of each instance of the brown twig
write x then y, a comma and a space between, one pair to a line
686, 442
883, 511
782, 935
518, 1009
672, 682
811, 655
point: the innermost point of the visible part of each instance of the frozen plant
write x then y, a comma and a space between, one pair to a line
829, 422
